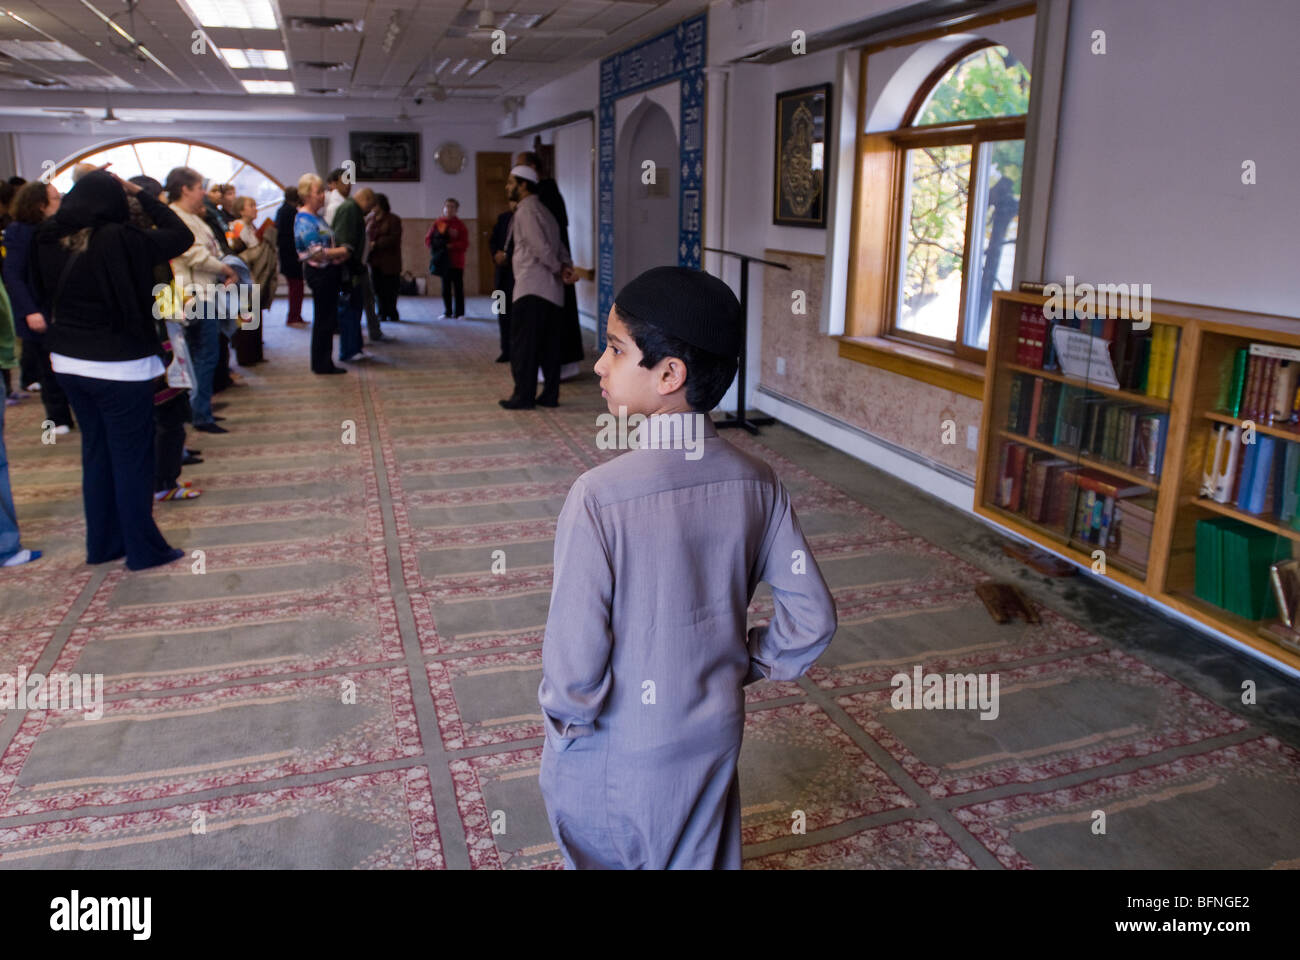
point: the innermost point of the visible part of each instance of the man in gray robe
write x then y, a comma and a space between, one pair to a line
657, 556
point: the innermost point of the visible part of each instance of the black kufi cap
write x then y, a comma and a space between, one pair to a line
688, 304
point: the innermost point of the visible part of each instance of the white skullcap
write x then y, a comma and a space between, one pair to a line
523, 172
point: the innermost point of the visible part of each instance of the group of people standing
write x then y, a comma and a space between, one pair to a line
87, 275
349, 251
129, 296
96, 258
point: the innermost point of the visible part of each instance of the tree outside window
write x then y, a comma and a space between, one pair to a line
965, 140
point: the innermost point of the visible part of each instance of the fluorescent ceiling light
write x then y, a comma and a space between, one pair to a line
254, 59
240, 14
38, 50
100, 83
269, 86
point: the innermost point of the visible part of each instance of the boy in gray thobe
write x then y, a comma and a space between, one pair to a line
657, 555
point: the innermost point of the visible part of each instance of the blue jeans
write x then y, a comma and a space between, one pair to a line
349, 320
203, 336
10, 543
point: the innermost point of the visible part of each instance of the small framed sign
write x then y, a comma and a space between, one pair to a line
801, 176
385, 155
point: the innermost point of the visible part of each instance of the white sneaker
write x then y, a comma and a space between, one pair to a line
358, 357
62, 430
33, 388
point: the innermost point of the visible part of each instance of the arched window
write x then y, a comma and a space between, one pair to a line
951, 172
155, 157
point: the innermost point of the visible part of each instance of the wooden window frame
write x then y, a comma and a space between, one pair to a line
970, 133
869, 336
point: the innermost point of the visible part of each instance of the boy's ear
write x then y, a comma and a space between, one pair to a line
673, 375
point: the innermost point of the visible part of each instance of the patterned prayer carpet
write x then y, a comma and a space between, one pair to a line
351, 679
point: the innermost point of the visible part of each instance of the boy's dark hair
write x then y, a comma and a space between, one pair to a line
291, 195
707, 375
336, 176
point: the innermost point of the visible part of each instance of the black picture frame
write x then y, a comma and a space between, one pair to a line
385, 155
800, 172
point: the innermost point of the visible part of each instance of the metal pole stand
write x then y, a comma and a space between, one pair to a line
741, 418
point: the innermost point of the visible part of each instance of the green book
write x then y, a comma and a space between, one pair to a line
1209, 564
1247, 553
1238, 381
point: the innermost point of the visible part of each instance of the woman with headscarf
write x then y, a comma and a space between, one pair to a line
94, 278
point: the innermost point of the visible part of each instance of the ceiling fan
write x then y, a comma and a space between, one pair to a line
482, 28
438, 93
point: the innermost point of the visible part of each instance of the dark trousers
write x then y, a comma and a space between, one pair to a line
52, 396
503, 280
368, 305
324, 282
453, 291
117, 466
534, 342
29, 364
221, 374
248, 346
386, 286
503, 322
295, 298
170, 417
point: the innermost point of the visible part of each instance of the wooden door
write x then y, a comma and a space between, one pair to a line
491, 171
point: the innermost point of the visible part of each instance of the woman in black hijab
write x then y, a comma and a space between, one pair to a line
94, 278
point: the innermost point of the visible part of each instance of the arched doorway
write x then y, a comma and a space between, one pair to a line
646, 215
154, 157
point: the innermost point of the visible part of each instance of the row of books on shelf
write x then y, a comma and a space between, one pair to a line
1263, 385
1234, 563
1261, 478
1077, 502
1143, 360
1095, 425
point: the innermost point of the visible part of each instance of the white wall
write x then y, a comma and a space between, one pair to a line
579, 90
738, 29
1152, 138
574, 174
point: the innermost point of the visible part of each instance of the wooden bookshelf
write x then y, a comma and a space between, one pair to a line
1155, 403
1208, 337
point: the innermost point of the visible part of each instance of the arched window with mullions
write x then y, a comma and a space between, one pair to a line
156, 157
939, 222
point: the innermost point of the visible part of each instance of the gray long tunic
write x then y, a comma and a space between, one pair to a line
646, 651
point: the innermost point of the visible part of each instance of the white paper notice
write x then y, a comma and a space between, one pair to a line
1084, 357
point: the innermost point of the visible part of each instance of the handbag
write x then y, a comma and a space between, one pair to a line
439, 256
179, 371
406, 286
